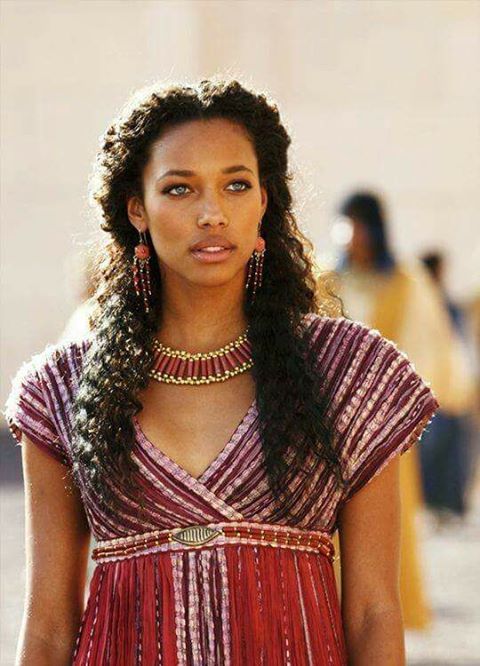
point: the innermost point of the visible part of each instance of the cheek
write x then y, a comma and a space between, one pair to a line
167, 225
170, 237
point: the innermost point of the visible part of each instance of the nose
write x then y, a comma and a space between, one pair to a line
211, 212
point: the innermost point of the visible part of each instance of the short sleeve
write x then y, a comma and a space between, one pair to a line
28, 410
379, 404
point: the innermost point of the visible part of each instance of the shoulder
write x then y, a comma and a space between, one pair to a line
343, 337
351, 359
55, 364
377, 405
38, 404
67, 352
46, 382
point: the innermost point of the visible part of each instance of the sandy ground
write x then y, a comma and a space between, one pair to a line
451, 559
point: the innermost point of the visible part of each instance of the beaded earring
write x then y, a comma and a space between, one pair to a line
141, 270
255, 267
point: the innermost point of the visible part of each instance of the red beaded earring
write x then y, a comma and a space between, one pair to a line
141, 270
255, 267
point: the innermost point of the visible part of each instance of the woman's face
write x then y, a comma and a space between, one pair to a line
201, 183
360, 249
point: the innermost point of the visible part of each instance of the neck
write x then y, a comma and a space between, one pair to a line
362, 264
201, 319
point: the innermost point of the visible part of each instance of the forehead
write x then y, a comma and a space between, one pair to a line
202, 144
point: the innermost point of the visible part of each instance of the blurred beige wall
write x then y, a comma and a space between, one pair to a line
383, 94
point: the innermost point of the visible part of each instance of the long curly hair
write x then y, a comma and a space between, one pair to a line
291, 408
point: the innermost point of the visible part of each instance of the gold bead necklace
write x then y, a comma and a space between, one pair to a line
175, 366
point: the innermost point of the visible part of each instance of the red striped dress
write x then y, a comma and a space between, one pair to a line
213, 573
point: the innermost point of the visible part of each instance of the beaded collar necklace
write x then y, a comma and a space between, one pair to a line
175, 366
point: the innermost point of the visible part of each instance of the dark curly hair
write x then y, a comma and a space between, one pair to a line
289, 399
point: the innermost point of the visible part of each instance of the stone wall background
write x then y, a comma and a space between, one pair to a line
382, 94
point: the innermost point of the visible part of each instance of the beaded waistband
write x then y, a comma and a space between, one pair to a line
200, 536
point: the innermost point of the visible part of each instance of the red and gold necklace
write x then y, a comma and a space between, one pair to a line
175, 366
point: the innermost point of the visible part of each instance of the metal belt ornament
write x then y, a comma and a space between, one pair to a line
195, 535
198, 536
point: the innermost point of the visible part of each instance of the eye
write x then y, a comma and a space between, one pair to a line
245, 185
170, 190
180, 189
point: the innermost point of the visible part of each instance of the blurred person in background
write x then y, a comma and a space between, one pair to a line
400, 300
446, 451
473, 325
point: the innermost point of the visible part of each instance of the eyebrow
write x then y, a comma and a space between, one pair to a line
185, 173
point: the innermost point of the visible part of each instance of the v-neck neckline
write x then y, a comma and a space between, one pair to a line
174, 466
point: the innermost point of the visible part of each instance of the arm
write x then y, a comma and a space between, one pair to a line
370, 545
57, 540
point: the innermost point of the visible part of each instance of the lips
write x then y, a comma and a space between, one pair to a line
211, 255
212, 244
210, 249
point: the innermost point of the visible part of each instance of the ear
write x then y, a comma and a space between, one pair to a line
264, 199
136, 213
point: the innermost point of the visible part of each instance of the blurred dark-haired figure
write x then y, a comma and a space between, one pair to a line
473, 318
401, 301
473, 327
445, 454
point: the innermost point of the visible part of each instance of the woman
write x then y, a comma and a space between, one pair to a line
213, 429
401, 302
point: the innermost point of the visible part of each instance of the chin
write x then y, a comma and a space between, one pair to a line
216, 276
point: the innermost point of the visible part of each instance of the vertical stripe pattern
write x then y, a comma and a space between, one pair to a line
229, 604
